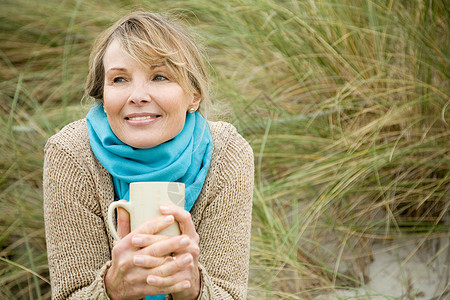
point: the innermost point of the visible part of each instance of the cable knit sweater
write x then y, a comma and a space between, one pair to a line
78, 191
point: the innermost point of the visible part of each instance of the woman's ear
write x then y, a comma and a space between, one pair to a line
197, 98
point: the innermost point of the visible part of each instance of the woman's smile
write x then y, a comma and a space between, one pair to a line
141, 119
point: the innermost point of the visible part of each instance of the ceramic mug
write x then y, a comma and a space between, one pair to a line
145, 199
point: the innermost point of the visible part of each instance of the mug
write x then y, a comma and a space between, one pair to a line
145, 199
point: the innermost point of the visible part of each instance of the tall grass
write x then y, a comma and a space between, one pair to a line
345, 103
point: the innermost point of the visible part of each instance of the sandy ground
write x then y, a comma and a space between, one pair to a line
407, 269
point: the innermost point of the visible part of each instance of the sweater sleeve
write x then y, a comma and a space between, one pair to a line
225, 224
77, 243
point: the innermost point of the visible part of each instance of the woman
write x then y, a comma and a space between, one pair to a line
149, 81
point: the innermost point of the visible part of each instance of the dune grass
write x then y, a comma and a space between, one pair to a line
345, 103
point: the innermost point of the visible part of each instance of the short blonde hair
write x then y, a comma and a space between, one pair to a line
151, 38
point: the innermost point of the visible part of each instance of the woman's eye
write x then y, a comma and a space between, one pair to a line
159, 78
119, 80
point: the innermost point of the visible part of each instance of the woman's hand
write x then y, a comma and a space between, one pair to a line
182, 270
125, 279
141, 261
186, 256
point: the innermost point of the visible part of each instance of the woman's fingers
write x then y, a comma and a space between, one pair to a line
180, 276
172, 275
144, 240
156, 288
155, 225
166, 247
123, 222
171, 267
146, 261
142, 258
183, 218
151, 227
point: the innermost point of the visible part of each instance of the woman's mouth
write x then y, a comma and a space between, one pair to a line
140, 119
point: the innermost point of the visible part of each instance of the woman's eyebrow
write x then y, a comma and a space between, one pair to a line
156, 66
125, 69
116, 69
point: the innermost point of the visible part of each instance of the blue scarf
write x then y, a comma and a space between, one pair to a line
185, 158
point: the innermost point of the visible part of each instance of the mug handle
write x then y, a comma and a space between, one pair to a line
111, 208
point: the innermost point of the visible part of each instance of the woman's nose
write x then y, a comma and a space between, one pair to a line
140, 94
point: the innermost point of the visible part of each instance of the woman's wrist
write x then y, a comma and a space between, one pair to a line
103, 276
108, 284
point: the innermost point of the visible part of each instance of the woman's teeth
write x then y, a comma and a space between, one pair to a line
142, 118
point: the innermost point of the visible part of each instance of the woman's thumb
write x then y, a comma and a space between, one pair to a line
123, 222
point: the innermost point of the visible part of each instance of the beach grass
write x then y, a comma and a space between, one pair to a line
345, 103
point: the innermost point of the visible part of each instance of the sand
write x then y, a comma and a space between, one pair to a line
406, 269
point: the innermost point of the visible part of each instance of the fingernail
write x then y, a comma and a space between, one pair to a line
137, 240
164, 207
151, 280
184, 241
187, 285
138, 260
168, 219
187, 259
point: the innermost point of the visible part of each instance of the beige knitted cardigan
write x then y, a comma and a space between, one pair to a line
78, 190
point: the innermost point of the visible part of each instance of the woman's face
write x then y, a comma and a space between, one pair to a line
144, 104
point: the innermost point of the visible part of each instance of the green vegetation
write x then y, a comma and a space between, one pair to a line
345, 103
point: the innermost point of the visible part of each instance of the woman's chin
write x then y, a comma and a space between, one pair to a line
143, 143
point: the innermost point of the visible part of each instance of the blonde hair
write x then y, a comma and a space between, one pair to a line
151, 38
